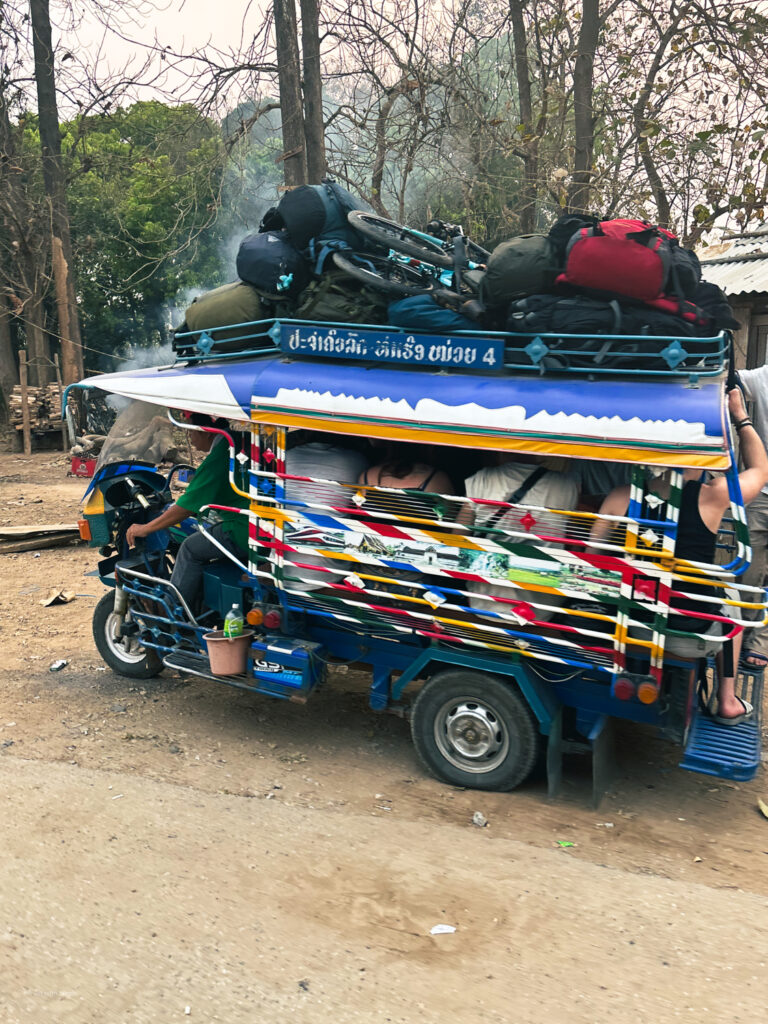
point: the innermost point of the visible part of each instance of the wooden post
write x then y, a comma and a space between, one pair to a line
64, 437
26, 429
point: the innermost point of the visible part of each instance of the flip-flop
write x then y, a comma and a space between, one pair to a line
737, 719
760, 659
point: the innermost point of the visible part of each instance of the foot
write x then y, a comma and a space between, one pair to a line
754, 661
733, 712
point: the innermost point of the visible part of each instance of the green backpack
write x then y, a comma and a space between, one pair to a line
525, 265
236, 303
337, 298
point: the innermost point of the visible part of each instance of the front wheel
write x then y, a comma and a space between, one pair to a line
390, 235
474, 730
124, 655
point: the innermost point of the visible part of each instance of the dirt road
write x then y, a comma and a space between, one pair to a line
173, 844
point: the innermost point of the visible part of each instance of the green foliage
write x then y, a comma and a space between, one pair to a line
143, 193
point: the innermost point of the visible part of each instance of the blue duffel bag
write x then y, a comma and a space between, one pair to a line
422, 313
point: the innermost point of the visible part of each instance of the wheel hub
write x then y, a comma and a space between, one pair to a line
471, 735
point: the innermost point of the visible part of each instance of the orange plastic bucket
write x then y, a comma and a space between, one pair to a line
227, 655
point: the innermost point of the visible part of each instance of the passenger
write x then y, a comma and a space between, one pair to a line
702, 507
755, 654
526, 480
406, 474
209, 486
318, 456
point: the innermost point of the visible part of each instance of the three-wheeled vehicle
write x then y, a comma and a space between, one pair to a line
516, 632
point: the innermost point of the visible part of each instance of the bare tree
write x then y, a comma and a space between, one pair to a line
294, 155
55, 186
314, 126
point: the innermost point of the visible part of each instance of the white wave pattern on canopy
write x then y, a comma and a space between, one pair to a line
512, 417
209, 393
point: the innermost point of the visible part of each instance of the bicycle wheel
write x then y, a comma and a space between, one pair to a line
394, 236
385, 274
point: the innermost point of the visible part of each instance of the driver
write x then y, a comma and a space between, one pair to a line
209, 486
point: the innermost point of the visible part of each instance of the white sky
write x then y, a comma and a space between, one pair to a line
185, 25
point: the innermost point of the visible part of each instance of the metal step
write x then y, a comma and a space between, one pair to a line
286, 684
727, 751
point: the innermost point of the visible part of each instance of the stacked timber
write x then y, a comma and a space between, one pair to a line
44, 405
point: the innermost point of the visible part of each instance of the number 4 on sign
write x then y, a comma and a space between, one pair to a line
489, 357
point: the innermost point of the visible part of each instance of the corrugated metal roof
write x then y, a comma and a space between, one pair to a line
740, 277
739, 265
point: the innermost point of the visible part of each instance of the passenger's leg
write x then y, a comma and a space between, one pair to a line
195, 553
728, 704
757, 519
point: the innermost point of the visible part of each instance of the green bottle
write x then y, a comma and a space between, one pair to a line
233, 621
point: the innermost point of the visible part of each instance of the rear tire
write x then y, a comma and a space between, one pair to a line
474, 730
124, 655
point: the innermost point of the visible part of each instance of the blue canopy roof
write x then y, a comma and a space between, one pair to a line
662, 415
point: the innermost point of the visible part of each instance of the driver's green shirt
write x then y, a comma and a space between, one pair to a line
210, 486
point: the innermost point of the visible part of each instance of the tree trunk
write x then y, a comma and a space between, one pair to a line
9, 375
530, 142
314, 125
581, 180
55, 187
294, 155
38, 345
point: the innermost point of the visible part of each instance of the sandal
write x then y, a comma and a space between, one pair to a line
758, 663
736, 719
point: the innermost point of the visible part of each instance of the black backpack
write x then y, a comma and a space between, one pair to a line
272, 264
520, 266
317, 213
582, 314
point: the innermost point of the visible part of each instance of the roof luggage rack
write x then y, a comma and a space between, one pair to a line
210, 342
480, 351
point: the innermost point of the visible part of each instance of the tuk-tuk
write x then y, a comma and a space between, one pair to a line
503, 631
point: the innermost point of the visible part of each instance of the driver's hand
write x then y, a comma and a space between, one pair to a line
135, 532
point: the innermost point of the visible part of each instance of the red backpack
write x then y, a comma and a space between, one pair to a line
630, 259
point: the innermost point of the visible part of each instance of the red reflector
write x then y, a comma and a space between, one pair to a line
273, 620
623, 688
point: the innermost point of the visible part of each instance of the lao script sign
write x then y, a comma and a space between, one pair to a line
387, 346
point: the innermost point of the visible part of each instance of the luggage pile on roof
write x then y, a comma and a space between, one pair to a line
585, 277
614, 277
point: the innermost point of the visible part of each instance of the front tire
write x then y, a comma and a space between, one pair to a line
474, 730
124, 655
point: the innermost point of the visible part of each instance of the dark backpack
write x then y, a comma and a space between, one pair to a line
272, 264
319, 213
583, 314
337, 298
521, 266
552, 317
631, 259
713, 300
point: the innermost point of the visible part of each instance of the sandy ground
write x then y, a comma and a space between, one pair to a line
172, 845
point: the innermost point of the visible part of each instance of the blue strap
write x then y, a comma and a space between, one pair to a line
319, 251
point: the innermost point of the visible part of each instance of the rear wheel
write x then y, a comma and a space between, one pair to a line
124, 655
390, 235
474, 730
